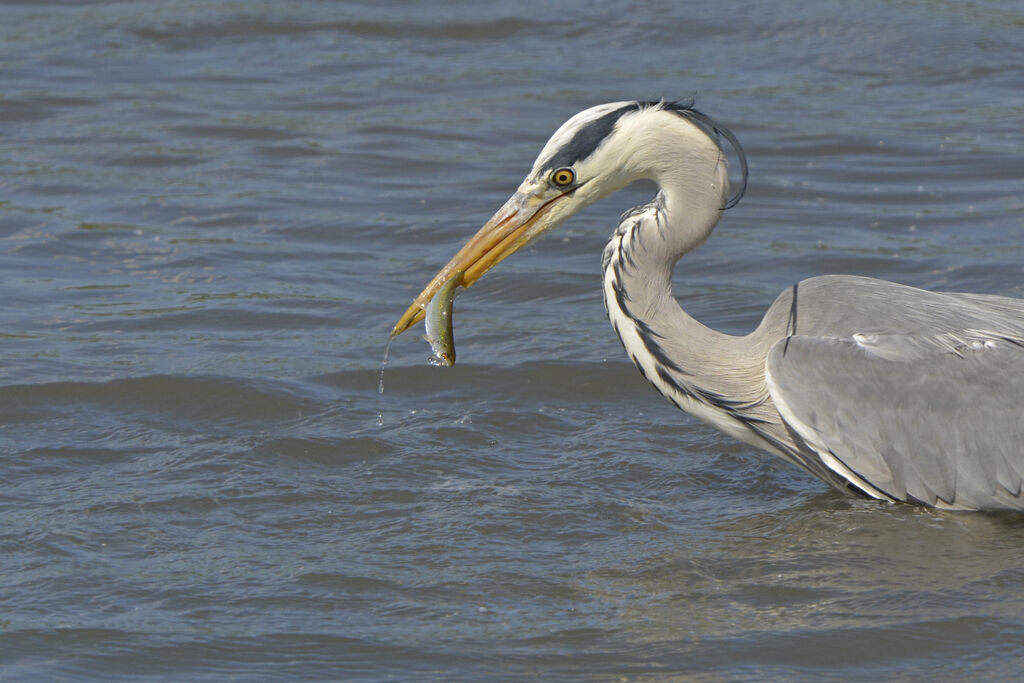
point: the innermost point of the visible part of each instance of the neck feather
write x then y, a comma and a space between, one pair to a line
711, 375
716, 377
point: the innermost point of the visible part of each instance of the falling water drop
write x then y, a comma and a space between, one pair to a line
380, 381
384, 364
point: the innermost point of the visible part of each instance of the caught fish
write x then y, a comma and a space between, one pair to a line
438, 321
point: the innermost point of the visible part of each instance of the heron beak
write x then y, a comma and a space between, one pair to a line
518, 222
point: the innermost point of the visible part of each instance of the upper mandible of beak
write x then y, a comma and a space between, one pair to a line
519, 221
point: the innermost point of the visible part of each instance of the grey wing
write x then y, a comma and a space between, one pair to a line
937, 420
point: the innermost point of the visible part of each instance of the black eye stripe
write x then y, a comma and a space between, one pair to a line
589, 137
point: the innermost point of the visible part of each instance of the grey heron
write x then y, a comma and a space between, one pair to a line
877, 388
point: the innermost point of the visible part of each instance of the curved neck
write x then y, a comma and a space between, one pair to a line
711, 375
642, 254
638, 264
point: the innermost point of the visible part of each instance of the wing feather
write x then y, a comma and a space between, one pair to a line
936, 419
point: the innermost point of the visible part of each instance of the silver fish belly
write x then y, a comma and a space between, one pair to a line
438, 322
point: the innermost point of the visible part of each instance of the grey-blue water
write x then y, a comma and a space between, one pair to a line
211, 213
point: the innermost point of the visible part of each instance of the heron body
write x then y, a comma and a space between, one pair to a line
891, 391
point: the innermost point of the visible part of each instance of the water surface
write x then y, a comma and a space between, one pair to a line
212, 213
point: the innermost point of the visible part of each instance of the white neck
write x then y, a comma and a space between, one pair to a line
708, 374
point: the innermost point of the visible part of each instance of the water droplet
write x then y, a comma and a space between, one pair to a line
380, 381
384, 364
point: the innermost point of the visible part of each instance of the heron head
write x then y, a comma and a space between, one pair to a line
594, 153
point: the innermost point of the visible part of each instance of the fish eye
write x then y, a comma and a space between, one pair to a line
563, 176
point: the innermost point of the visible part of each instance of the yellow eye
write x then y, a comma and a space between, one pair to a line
563, 176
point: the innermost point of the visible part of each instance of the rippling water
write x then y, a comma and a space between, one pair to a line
211, 213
